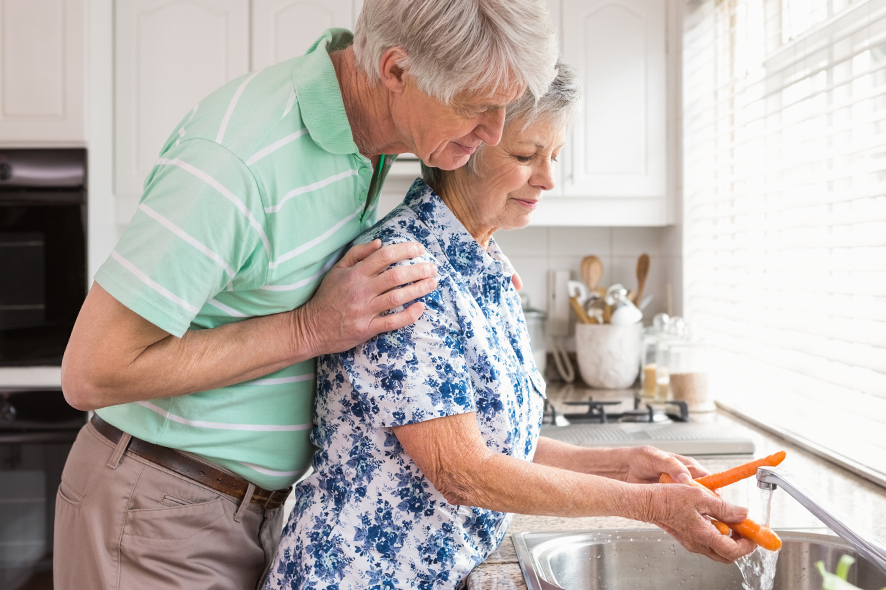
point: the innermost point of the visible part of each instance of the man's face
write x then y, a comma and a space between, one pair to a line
445, 135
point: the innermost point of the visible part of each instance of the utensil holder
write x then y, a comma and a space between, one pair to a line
608, 356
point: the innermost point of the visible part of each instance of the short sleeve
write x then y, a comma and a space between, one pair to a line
416, 373
198, 229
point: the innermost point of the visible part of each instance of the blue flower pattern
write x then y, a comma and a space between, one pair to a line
367, 517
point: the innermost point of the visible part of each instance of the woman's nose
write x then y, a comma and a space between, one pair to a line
543, 177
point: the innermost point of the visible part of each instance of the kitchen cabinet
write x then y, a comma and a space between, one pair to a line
42, 76
169, 55
618, 166
282, 29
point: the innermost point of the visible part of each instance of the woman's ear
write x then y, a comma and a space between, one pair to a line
390, 70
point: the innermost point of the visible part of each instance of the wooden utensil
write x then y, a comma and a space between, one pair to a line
591, 271
642, 273
580, 311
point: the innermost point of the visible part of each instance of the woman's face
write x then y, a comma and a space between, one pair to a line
509, 181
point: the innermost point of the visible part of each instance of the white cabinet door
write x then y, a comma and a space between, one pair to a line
42, 73
282, 29
620, 142
615, 165
169, 55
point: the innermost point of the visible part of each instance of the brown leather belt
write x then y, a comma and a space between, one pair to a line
193, 469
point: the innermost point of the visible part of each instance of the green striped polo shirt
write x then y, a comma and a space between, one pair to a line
256, 194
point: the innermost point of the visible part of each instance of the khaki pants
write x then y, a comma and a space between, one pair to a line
123, 523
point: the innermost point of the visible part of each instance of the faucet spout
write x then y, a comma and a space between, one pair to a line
865, 543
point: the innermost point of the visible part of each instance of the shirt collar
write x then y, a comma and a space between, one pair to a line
462, 251
319, 94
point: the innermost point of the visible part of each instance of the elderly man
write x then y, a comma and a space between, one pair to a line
196, 343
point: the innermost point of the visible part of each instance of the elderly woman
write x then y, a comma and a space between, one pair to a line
428, 435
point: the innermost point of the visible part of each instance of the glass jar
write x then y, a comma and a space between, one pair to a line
688, 375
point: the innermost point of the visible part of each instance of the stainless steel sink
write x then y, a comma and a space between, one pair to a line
650, 559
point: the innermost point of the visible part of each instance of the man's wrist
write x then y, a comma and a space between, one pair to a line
303, 341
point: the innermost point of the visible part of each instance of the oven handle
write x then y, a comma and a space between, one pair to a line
59, 436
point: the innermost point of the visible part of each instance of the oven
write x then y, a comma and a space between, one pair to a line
37, 429
43, 283
42, 252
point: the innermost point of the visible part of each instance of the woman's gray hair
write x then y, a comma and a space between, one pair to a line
454, 46
559, 106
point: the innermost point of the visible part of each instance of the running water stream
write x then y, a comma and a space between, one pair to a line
758, 568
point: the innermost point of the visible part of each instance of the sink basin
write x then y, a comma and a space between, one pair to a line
651, 559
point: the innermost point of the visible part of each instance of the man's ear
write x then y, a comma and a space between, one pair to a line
392, 74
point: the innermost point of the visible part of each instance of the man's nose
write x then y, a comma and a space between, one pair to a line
491, 124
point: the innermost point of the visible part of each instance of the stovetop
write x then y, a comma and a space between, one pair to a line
596, 412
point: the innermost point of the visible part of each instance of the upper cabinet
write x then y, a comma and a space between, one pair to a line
282, 29
616, 167
42, 72
169, 55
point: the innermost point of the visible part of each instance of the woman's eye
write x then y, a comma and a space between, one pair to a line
554, 158
523, 159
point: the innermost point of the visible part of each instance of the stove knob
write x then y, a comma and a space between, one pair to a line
7, 412
5, 171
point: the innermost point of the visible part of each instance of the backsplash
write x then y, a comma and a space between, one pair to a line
538, 251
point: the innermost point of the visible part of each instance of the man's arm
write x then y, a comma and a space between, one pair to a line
115, 356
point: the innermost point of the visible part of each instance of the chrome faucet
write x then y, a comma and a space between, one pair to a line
865, 543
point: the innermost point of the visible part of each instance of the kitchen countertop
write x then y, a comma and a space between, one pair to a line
858, 499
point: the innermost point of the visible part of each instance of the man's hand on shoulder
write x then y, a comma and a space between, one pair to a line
348, 308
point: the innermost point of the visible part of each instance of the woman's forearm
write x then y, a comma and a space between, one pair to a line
605, 462
512, 485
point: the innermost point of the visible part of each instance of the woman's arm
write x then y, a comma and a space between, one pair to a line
452, 455
628, 464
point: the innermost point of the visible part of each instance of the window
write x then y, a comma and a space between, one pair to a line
785, 215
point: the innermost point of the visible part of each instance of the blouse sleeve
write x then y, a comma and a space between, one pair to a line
416, 373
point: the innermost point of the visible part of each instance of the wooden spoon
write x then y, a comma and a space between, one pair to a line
591, 271
642, 273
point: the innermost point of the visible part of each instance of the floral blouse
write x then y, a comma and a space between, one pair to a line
367, 517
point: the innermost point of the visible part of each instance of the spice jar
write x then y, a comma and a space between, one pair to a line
651, 337
674, 331
688, 375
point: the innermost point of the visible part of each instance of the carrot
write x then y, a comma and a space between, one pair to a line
715, 481
761, 535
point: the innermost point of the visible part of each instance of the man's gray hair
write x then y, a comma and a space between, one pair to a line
454, 46
558, 106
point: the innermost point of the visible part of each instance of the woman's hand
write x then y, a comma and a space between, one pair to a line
683, 511
646, 464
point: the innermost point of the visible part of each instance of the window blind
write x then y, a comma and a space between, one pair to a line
784, 215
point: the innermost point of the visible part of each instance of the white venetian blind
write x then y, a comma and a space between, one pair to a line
785, 215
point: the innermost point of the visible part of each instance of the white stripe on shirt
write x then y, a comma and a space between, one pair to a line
155, 286
228, 310
278, 380
224, 124
318, 239
188, 238
224, 192
307, 281
275, 146
289, 103
225, 425
270, 472
311, 187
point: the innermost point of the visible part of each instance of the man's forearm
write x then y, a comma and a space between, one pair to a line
100, 370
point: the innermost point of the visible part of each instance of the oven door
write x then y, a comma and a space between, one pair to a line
37, 430
43, 265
